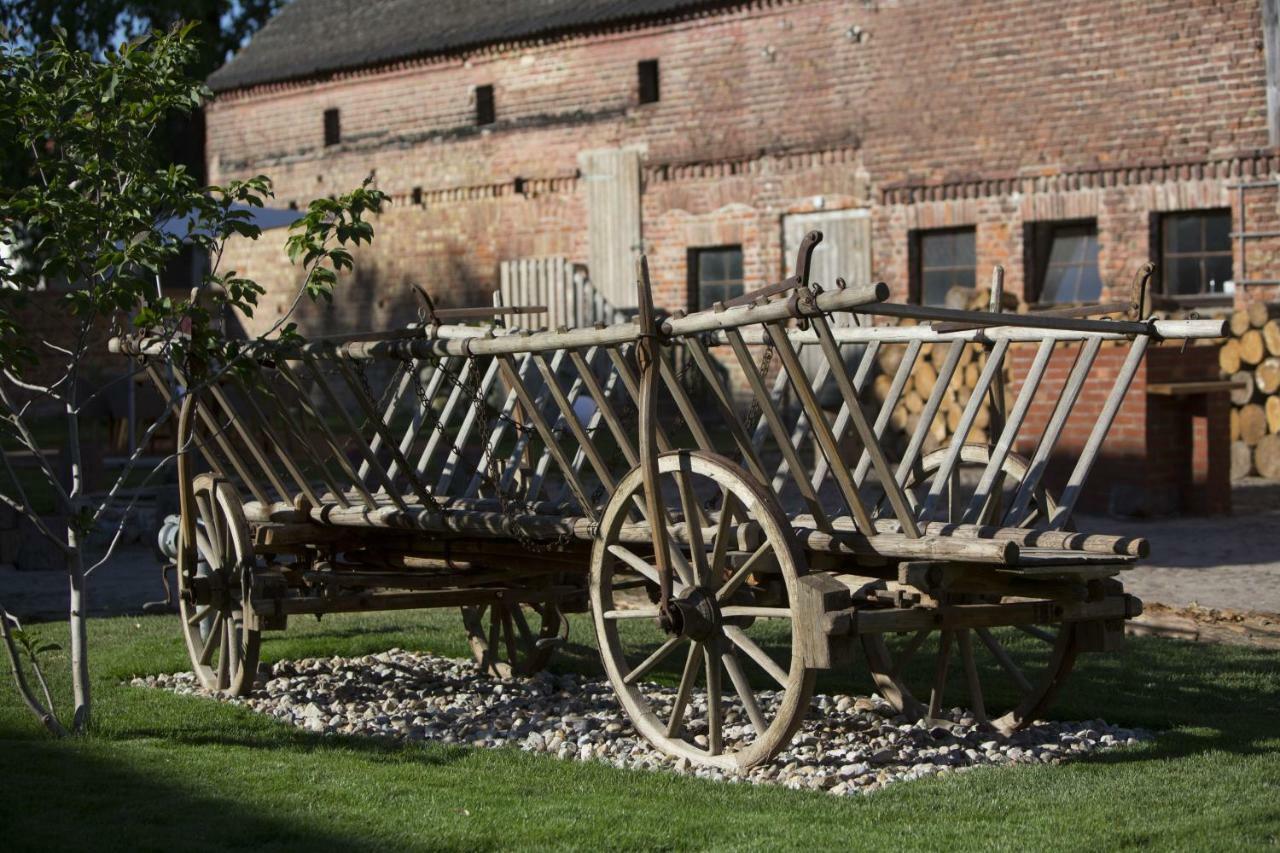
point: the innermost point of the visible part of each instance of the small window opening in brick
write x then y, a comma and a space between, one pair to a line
332, 128
293, 205
518, 185
484, 105
416, 195
647, 70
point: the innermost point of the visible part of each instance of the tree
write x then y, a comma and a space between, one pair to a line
96, 211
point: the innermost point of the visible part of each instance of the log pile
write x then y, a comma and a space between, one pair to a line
924, 376
1251, 357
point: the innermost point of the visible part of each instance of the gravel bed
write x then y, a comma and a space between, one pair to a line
846, 745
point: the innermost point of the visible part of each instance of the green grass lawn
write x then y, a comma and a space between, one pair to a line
167, 772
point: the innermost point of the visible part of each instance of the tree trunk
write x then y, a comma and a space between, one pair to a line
75, 569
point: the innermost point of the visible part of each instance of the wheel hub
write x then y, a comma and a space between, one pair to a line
695, 615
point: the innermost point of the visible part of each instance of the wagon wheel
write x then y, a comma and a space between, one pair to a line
957, 493
732, 587
215, 561
512, 639
980, 657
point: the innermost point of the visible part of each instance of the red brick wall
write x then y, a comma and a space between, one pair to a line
1163, 454
993, 114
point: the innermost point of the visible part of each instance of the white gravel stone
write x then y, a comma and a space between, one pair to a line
847, 745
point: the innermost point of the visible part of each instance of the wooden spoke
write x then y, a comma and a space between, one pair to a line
198, 614
509, 633
640, 565
733, 610
740, 639
720, 548
940, 675
743, 688
715, 712
740, 574
1039, 633
976, 703
632, 613
522, 624
692, 513
1002, 657
685, 690
212, 639
211, 539
224, 655
660, 654
233, 643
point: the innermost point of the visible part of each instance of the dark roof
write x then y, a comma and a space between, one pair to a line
314, 37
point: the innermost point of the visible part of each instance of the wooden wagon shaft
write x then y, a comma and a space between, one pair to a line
586, 445
520, 453
954, 616
511, 376
1172, 330
470, 419
167, 396
989, 484
822, 430
286, 459
427, 419
911, 456
604, 406
375, 418
413, 375
338, 455
870, 441
405, 376
1075, 483
489, 446
218, 433
984, 318
1053, 430
378, 601
248, 440
780, 434
999, 408
943, 476
724, 402
1073, 311
887, 406
570, 418
860, 377
354, 432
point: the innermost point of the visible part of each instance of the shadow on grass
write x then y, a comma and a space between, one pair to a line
142, 805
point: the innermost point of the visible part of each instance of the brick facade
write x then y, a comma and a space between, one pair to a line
991, 114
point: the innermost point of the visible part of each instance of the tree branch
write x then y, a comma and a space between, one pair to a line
44, 715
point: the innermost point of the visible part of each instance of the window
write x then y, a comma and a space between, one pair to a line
945, 259
484, 105
1196, 253
715, 275
648, 72
332, 128
1064, 262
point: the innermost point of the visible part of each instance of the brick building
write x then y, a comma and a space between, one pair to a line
1069, 141
929, 139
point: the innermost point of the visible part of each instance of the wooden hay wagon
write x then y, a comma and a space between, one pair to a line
725, 557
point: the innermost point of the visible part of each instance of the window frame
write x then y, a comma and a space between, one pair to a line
915, 257
1159, 232
486, 105
694, 284
332, 127
649, 81
1038, 243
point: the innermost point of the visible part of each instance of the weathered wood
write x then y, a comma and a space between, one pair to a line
1252, 349
1266, 457
1229, 356
1253, 424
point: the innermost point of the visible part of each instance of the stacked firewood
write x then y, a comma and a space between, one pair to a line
924, 376
1251, 357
